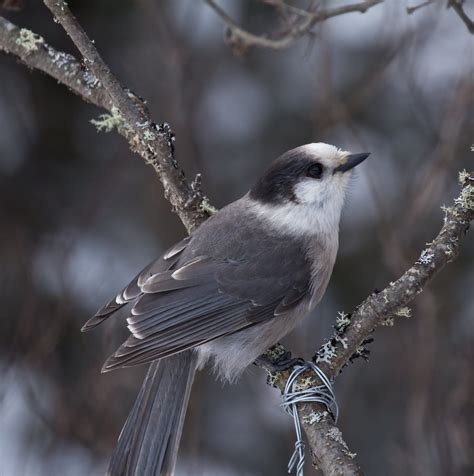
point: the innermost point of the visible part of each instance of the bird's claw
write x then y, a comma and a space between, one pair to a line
282, 363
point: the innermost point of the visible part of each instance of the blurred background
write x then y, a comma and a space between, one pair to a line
81, 214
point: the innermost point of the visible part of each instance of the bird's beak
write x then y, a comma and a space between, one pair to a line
351, 162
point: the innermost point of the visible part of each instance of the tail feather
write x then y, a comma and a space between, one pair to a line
149, 441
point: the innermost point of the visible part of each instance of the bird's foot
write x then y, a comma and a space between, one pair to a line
283, 362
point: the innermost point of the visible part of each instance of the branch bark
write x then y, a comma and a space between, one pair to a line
154, 143
34, 52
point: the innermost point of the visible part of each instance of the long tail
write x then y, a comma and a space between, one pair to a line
149, 441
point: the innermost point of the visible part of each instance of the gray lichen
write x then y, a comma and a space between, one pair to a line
388, 322
403, 312
335, 435
342, 340
342, 320
91, 80
426, 256
314, 417
326, 353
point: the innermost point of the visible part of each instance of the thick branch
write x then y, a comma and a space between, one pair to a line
246, 39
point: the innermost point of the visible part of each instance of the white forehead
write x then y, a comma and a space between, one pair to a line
323, 151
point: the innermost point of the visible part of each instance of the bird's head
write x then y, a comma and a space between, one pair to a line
310, 179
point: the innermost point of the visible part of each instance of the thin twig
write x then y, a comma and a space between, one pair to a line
245, 39
411, 10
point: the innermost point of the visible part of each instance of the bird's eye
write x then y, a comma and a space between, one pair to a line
315, 171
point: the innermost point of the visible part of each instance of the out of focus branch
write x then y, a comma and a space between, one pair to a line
411, 10
457, 6
353, 330
243, 39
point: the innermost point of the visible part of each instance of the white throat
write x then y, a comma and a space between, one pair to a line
300, 219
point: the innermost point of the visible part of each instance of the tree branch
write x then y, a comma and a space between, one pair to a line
457, 6
411, 10
34, 52
352, 331
244, 39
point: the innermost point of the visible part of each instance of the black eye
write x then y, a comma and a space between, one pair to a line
315, 171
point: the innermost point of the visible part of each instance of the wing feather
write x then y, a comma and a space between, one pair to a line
133, 290
218, 282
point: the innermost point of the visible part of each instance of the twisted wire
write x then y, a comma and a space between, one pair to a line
323, 394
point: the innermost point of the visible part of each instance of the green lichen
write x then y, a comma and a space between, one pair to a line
108, 122
206, 206
466, 198
305, 382
274, 353
148, 135
404, 312
29, 40
464, 177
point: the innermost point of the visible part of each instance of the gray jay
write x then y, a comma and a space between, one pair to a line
235, 287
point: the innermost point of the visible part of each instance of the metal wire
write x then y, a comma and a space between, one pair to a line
323, 394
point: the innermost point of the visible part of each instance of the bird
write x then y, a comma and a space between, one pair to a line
224, 294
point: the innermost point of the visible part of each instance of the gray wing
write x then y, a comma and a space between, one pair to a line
240, 281
132, 290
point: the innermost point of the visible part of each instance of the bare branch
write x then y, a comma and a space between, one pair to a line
458, 7
411, 10
245, 39
34, 52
